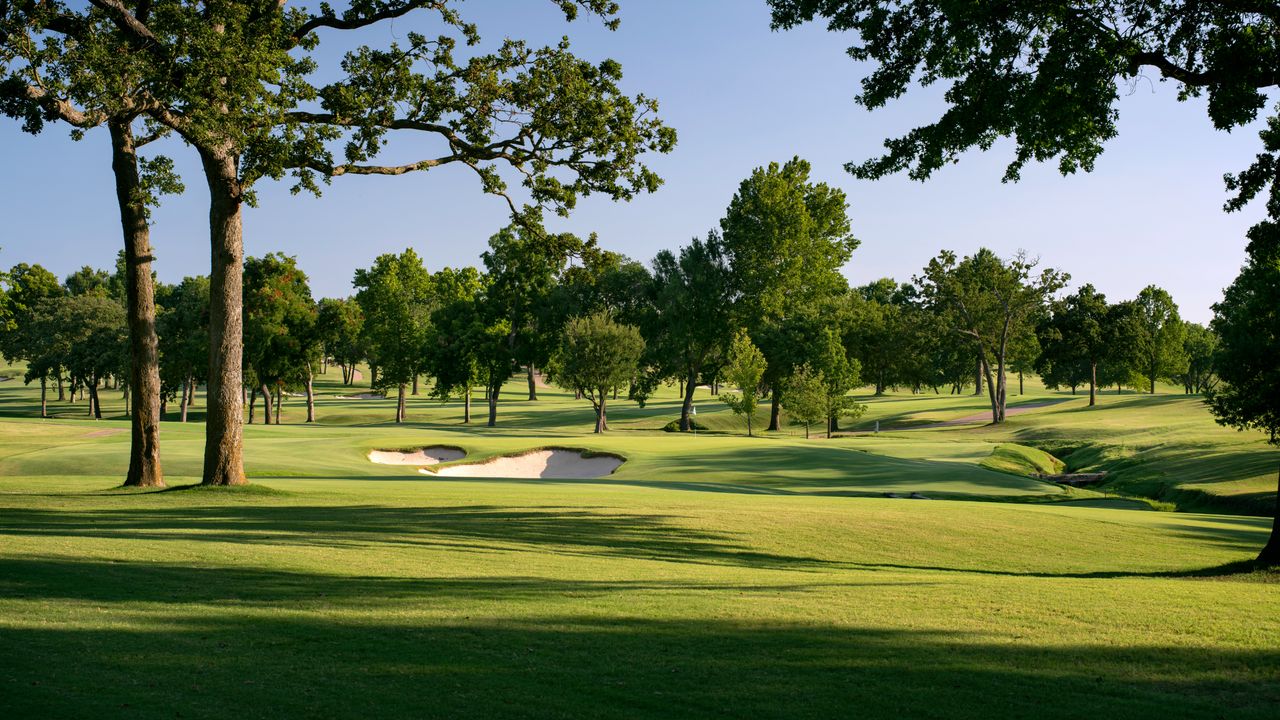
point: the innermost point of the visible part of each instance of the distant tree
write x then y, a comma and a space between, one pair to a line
806, 398
1200, 346
597, 355
1248, 328
88, 281
1160, 334
87, 335
396, 299
26, 286
1076, 338
456, 335
524, 265
840, 374
990, 301
690, 325
1024, 351
785, 240
744, 369
182, 325
281, 344
340, 322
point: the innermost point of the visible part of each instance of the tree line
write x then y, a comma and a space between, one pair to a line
759, 304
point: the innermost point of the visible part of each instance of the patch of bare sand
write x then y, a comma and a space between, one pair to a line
550, 463
432, 455
362, 396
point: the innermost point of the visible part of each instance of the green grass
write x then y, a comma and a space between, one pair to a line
716, 575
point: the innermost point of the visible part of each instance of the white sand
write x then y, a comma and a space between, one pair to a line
537, 464
362, 396
426, 456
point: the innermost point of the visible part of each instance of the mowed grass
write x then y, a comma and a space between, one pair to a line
712, 576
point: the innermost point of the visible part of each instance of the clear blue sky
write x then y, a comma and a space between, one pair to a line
740, 96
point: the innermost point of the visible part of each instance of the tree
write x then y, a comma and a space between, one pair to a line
595, 356
339, 323
456, 332
692, 311
77, 67
1049, 74
1075, 337
991, 301
806, 398
20, 339
182, 324
1200, 347
745, 368
524, 263
1248, 327
1159, 340
785, 240
281, 345
396, 299
86, 335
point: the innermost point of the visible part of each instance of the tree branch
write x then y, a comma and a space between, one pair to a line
344, 23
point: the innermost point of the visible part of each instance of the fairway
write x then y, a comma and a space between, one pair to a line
715, 575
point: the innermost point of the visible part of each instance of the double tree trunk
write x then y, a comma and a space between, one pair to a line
686, 408
95, 407
224, 432
140, 308
997, 409
491, 395
266, 404
602, 422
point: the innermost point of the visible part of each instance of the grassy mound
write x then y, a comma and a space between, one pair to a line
1022, 460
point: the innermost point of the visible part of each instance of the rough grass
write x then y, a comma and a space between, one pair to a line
710, 576
1022, 460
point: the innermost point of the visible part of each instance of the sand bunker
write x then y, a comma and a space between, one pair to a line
362, 396
551, 463
433, 455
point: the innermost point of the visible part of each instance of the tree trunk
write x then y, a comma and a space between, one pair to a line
400, 403
806, 431
253, 405
182, 404
533, 386
686, 408
224, 433
62, 394
311, 398
491, 395
95, 408
977, 375
1093, 384
373, 376
681, 388
266, 404
279, 400
415, 384
1270, 555
1020, 385
997, 416
140, 309
1153, 384
600, 412
44, 394
466, 406
775, 410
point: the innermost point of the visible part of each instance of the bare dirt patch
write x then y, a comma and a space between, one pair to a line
546, 463
433, 455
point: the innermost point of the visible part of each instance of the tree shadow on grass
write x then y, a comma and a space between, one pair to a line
243, 662
583, 530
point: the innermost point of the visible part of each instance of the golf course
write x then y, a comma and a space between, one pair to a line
709, 575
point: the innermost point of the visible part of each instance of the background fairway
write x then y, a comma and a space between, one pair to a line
717, 575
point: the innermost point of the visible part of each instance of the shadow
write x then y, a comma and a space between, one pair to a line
581, 530
226, 660
1241, 569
